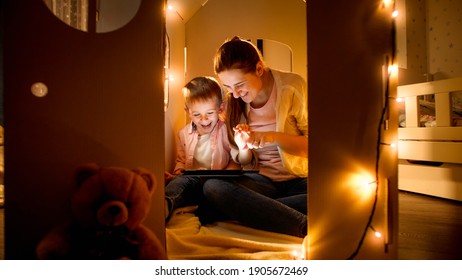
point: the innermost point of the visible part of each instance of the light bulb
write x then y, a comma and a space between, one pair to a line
295, 254
386, 3
392, 69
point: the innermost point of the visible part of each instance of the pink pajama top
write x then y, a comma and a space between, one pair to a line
219, 148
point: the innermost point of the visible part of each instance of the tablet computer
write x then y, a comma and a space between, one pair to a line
218, 172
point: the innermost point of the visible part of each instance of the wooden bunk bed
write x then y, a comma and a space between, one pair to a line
430, 138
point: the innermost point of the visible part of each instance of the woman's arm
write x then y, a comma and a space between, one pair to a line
292, 144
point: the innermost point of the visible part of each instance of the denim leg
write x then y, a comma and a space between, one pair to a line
183, 190
207, 213
297, 202
239, 200
293, 193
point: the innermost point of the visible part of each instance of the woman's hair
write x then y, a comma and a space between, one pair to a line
202, 89
233, 54
236, 53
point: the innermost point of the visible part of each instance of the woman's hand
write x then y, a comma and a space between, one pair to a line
292, 144
258, 140
247, 139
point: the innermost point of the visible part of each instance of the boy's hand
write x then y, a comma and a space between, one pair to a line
168, 177
241, 136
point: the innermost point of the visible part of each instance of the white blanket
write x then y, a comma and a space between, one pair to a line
188, 239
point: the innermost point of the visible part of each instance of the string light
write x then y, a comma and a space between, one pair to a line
383, 125
386, 3
295, 255
363, 185
392, 145
393, 69
376, 233
173, 9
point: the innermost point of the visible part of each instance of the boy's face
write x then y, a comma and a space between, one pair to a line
204, 114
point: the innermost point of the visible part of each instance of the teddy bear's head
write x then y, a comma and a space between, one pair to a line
111, 197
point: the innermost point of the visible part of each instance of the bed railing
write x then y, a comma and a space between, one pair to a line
440, 143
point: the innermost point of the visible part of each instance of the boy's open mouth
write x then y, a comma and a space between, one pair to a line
206, 125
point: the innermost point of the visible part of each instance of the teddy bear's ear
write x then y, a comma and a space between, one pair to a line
148, 177
85, 171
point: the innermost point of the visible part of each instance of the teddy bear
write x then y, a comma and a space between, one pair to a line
107, 209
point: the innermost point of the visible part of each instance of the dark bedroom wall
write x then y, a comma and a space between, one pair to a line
415, 69
434, 44
444, 38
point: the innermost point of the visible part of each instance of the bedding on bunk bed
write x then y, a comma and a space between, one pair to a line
187, 238
427, 115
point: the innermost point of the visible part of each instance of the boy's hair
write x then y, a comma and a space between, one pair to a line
201, 89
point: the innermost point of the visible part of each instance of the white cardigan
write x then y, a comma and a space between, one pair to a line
291, 117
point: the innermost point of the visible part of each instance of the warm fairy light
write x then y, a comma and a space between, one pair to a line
295, 254
303, 250
392, 69
399, 99
168, 76
376, 233
394, 14
393, 145
367, 184
387, 3
363, 185
170, 8
371, 185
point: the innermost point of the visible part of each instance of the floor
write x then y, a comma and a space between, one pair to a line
429, 228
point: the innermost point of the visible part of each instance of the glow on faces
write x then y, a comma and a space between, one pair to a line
244, 85
204, 115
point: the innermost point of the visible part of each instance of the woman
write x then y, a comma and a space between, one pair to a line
267, 121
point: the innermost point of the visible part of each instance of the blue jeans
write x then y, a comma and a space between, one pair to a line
258, 202
183, 190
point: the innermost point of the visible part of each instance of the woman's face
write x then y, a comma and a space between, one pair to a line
243, 85
204, 115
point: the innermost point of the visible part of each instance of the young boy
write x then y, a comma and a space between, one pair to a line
201, 144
